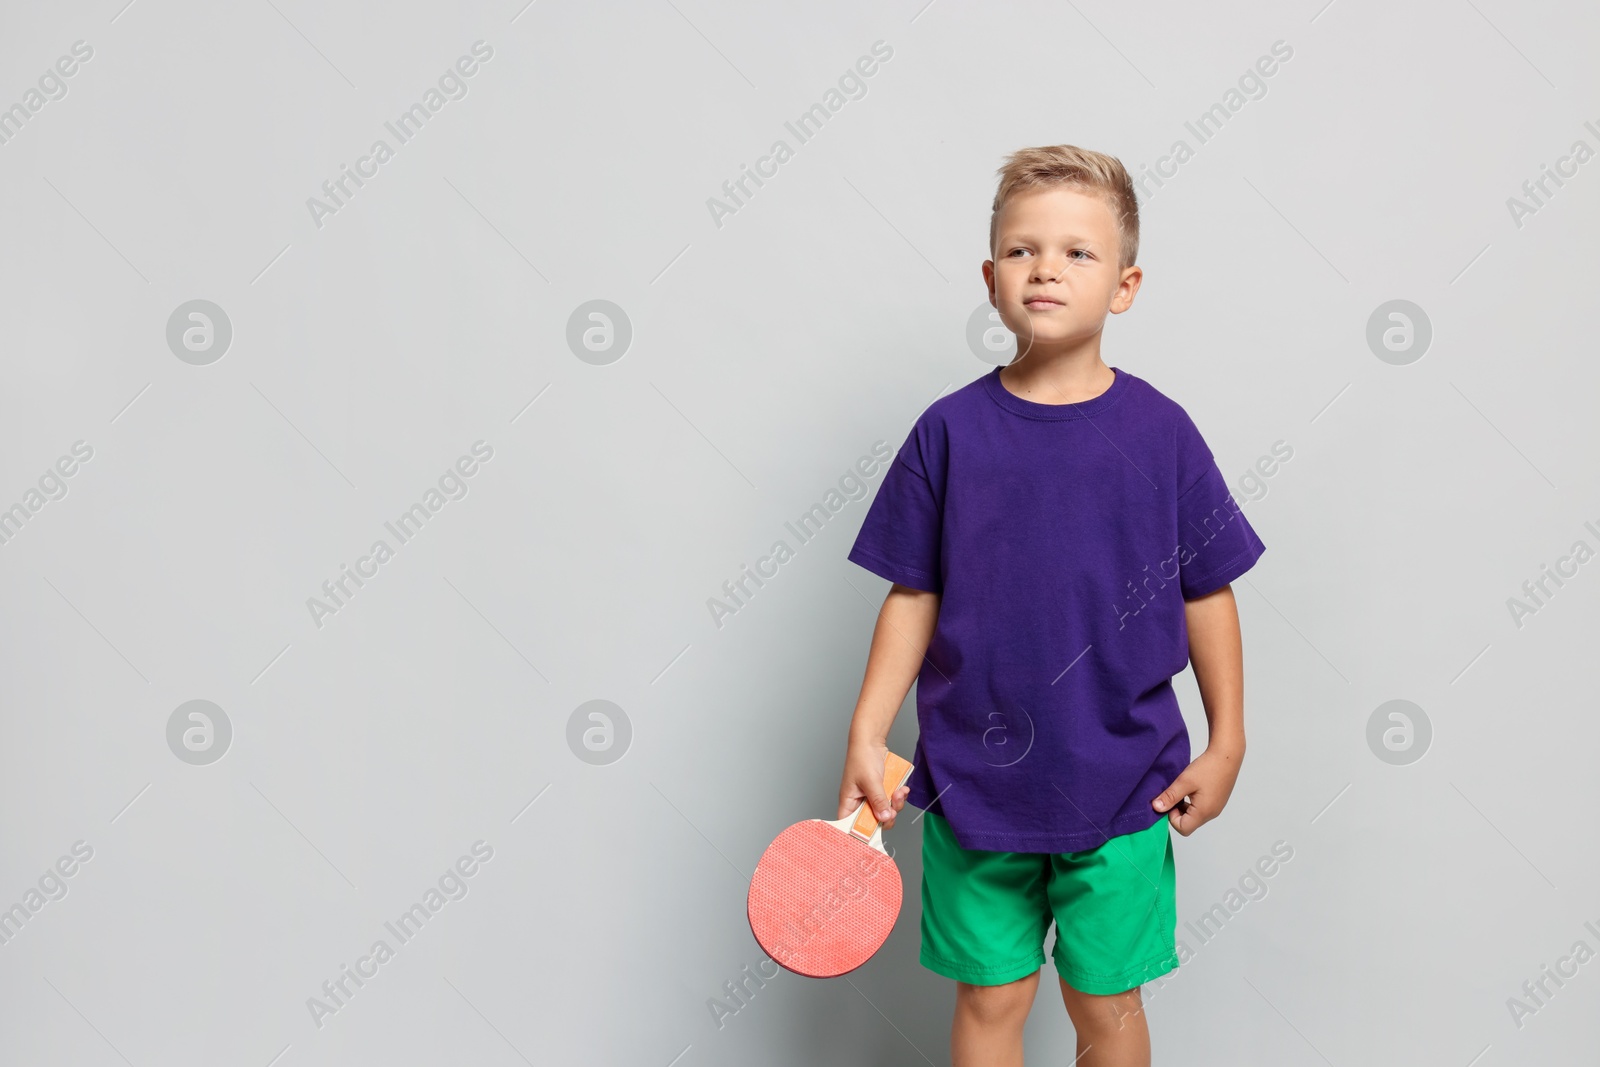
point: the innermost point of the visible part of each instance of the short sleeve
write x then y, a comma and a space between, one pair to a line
900, 538
1216, 542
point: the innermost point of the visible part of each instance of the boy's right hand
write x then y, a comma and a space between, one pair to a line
863, 780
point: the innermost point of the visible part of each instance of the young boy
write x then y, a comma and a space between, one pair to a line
1060, 543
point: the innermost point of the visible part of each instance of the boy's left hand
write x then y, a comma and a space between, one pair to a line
1207, 782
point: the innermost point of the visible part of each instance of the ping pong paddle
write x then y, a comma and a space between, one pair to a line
825, 894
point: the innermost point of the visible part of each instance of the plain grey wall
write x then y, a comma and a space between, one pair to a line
744, 363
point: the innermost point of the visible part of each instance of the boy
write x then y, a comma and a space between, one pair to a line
1060, 543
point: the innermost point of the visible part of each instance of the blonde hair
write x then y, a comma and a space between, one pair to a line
1078, 168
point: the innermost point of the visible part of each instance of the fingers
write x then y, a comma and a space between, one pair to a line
898, 802
1173, 795
850, 799
1187, 818
881, 806
851, 796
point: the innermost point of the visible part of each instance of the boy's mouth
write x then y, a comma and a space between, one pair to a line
1039, 303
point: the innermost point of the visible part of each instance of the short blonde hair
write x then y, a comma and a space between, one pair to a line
1080, 168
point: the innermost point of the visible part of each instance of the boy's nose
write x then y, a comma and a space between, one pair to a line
1048, 271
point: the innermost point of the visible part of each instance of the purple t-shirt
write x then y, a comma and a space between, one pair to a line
1063, 541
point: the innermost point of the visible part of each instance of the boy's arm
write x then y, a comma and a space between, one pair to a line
899, 641
1216, 651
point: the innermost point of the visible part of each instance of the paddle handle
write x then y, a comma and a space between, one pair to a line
896, 770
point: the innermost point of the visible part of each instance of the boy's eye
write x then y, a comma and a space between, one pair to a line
1076, 254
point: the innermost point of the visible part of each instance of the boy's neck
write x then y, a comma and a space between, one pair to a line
1066, 377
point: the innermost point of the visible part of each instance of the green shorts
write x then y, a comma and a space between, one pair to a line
985, 914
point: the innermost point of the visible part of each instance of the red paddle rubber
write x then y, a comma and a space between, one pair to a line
821, 901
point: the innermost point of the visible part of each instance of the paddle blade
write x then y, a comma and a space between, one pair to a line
821, 901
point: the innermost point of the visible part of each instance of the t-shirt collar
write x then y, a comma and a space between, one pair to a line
1029, 409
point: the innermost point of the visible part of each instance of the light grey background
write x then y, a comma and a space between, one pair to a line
768, 353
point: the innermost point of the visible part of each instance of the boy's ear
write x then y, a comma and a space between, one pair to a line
1122, 300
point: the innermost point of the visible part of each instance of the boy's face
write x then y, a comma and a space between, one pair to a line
1054, 276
